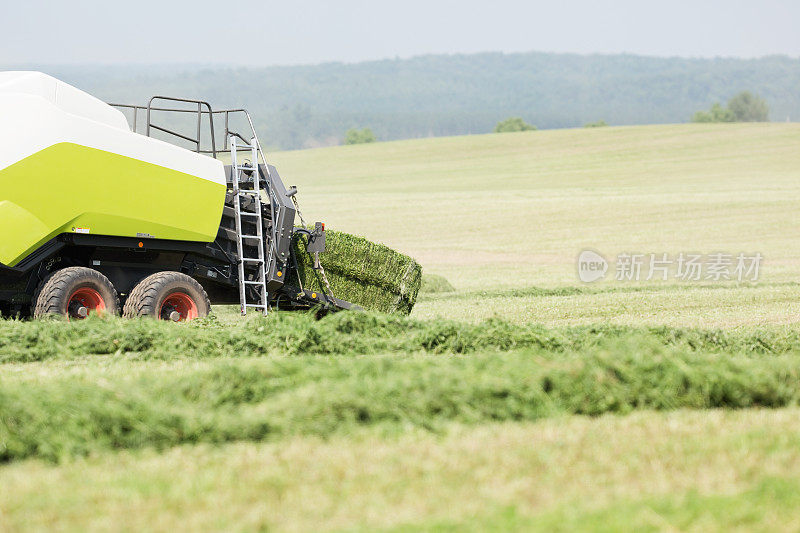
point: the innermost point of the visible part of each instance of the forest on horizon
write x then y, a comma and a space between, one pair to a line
437, 95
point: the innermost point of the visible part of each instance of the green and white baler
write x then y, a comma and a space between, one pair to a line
95, 216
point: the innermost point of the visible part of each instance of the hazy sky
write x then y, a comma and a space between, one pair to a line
313, 31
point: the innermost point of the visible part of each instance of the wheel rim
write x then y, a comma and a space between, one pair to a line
178, 307
84, 301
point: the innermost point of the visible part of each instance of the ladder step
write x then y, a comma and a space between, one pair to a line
252, 260
255, 305
248, 282
250, 214
251, 237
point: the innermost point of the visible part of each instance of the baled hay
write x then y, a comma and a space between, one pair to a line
362, 272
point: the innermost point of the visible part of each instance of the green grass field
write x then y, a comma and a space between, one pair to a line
522, 400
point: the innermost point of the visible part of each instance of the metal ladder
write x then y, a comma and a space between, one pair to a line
258, 262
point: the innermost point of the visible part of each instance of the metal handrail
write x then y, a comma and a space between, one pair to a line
203, 108
200, 105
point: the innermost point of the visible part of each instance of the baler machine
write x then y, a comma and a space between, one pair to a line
97, 217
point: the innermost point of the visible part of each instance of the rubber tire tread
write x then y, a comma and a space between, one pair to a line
51, 292
145, 298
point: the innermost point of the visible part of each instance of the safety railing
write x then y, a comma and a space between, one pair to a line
202, 110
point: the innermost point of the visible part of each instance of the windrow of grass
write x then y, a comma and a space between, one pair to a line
569, 290
64, 414
712, 471
349, 333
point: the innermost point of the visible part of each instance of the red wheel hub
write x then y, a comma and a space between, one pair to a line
84, 301
178, 307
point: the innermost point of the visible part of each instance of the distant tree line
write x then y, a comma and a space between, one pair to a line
305, 106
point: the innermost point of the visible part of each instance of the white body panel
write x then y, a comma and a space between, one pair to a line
62, 95
38, 111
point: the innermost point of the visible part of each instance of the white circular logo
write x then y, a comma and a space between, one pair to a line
591, 266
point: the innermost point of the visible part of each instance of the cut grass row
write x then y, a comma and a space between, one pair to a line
89, 409
721, 305
711, 471
351, 333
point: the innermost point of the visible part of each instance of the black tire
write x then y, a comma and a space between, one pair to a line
74, 292
162, 294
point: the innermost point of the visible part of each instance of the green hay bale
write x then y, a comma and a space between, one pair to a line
362, 272
433, 284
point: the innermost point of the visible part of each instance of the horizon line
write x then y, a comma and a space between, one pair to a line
196, 64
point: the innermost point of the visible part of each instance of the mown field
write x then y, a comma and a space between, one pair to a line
521, 400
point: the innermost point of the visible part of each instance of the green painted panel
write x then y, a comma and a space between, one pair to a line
69, 188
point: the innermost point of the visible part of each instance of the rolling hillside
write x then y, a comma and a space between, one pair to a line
510, 211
